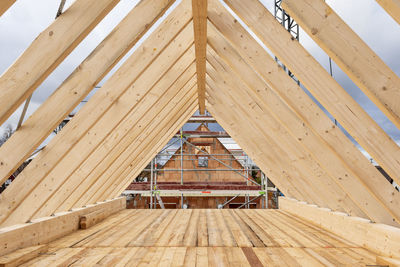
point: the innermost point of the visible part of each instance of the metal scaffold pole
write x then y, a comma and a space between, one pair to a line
181, 157
151, 184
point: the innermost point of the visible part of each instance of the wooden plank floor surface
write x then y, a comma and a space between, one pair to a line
203, 238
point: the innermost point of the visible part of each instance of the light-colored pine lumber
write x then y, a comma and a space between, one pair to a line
120, 169
273, 130
386, 261
285, 183
110, 158
350, 52
112, 171
5, 5
48, 50
321, 85
144, 159
135, 119
274, 163
71, 92
392, 7
47, 229
106, 125
88, 220
379, 238
98, 106
21, 256
314, 131
199, 8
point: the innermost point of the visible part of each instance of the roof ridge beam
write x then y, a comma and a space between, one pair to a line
199, 8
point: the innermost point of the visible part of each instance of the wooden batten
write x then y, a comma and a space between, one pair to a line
379, 238
48, 50
351, 54
199, 8
44, 230
22, 255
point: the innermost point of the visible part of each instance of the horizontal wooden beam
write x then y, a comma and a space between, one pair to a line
392, 7
89, 73
350, 53
379, 238
5, 5
44, 230
48, 50
199, 8
322, 86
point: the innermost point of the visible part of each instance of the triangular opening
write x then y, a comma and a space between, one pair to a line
201, 168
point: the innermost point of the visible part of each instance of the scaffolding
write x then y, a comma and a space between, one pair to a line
182, 138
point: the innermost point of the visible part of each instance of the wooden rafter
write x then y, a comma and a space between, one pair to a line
351, 54
48, 50
113, 173
354, 176
91, 71
279, 135
199, 8
323, 87
77, 130
5, 5
119, 143
392, 7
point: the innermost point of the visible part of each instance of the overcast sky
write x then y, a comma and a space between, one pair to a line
20, 25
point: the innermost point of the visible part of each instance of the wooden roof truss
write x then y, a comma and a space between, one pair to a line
201, 57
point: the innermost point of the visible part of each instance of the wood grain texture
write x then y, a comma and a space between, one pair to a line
199, 8
321, 85
77, 86
353, 172
380, 238
150, 237
350, 53
48, 50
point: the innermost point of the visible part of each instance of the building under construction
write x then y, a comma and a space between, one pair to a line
192, 200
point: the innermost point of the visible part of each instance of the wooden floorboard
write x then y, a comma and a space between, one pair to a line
203, 238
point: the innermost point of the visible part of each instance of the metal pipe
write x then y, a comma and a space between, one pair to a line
155, 182
181, 158
262, 187
151, 184
248, 202
229, 201
226, 165
174, 170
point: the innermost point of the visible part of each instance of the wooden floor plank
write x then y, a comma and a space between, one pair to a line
203, 238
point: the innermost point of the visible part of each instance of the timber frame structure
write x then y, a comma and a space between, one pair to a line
201, 57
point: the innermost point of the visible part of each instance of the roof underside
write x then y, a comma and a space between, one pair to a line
201, 58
